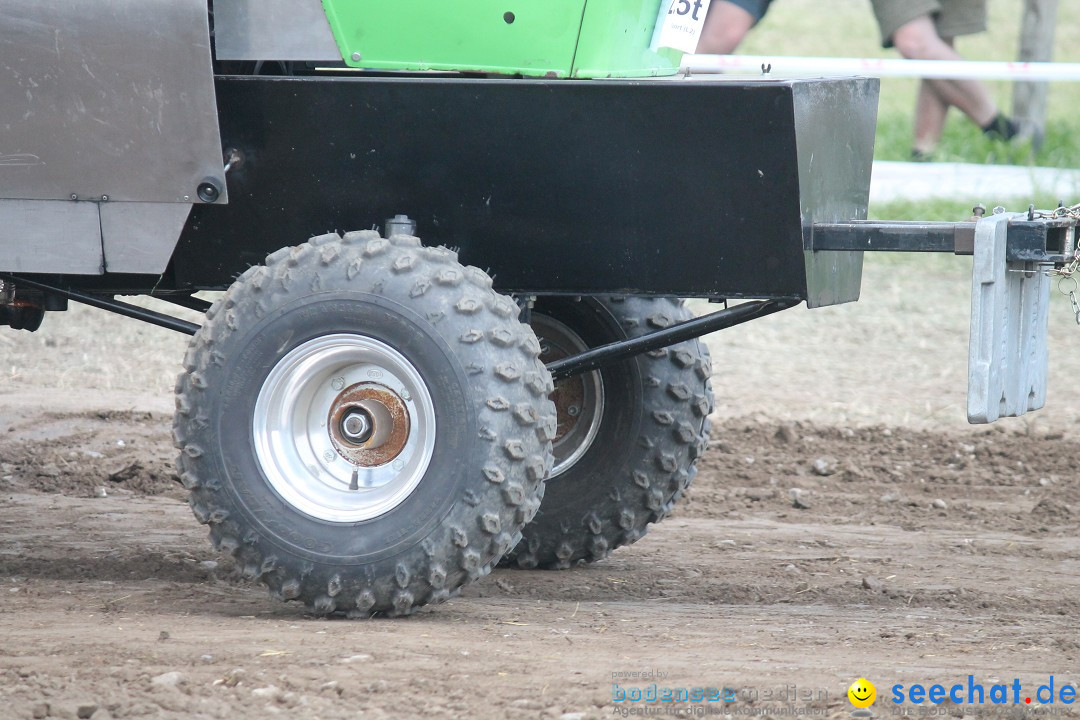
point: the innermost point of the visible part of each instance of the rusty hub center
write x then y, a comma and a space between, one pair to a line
369, 424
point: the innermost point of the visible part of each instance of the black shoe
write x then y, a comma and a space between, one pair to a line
1001, 127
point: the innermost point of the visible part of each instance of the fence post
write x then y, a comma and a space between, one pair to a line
1036, 45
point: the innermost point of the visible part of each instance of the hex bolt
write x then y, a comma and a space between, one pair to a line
357, 57
573, 411
337, 383
329, 456
398, 464
405, 394
357, 426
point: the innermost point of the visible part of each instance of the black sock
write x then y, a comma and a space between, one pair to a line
1001, 127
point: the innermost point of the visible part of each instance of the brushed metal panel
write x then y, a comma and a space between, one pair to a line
1008, 358
273, 30
107, 98
50, 236
140, 237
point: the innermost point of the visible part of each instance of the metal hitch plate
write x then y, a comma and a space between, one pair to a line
1007, 354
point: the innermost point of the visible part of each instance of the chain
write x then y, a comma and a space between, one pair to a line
1072, 295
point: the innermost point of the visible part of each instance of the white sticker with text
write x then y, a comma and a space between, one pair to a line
679, 24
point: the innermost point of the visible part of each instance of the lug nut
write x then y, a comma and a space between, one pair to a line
357, 426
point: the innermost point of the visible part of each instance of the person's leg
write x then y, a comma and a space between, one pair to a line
930, 113
725, 27
918, 39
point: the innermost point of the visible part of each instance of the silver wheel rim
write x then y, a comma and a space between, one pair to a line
576, 432
307, 418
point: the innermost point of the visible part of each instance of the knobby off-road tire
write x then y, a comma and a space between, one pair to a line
321, 329
628, 436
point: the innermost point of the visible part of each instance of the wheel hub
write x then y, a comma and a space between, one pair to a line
344, 428
369, 425
579, 400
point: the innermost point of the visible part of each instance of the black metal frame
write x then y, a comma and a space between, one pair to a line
604, 355
592, 359
106, 303
1036, 239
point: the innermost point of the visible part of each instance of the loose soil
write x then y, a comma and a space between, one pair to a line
846, 523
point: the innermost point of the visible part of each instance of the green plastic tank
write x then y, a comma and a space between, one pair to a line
542, 38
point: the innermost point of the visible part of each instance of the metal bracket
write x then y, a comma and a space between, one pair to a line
1028, 238
115, 306
617, 351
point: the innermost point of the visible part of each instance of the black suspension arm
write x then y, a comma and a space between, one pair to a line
617, 351
115, 306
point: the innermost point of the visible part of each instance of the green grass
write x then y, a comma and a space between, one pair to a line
846, 28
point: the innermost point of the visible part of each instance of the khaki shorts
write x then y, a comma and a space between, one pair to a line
952, 17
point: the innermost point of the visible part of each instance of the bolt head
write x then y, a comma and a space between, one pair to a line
573, 411
398, 464
329, 456
356, 57
337, 383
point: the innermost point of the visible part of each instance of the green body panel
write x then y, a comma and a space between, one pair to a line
546, 38
615, 39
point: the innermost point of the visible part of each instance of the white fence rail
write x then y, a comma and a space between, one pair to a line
879, 67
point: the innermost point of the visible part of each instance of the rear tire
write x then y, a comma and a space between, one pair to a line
364, 424
647, 424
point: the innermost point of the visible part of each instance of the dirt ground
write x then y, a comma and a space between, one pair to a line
846, 523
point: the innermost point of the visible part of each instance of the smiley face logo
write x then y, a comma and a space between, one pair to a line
862, 693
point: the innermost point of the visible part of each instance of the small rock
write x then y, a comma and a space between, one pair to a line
126, 473
758, 494
798, 500
169, 679
873, 584
890, 497
725, 543
940, 504
270, 692
207, 658
233, 678
85, 711
1048, 508
48, 471
887, 432
504, 586
802, 587
163, 636
791, 569
356, 658
572, 716
823, 466
786, 434
39, 711
209, 565
1045, 482
331, 686
101, 492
